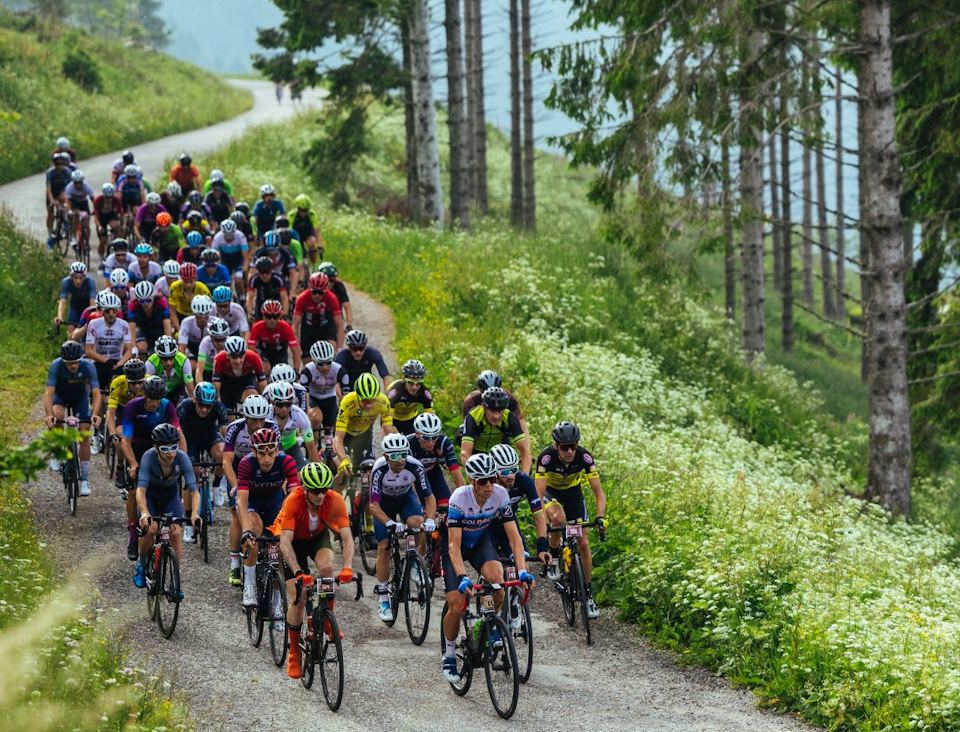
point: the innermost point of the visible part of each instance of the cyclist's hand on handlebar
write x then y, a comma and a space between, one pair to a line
95, 420
525, 576
345, 467
345, 576
466, 586
195, 518
132, 471
51, 422
301, 578
429, 526
395, 527
145, 520
546, 557
247, 538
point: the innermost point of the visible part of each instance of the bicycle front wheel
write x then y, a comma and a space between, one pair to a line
394, 587
568, 596
416, 598
330, 659
277, 617
517, 616
153, 577
500, 666
168, 598
366, 541
255, 613
308, 650
464, 655
580, 593
206, 513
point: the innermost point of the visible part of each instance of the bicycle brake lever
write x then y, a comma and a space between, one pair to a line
359, 581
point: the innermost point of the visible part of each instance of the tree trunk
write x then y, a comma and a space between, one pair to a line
469, 57
786, 215
775, 214
414, 206
840, 304
751, 194
864, 254
529, 181
428, 157
888, 472
516, 133
826, 265
479, 121
459, 211
807, 178
730, 252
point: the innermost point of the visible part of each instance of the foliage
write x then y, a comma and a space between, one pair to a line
80, 67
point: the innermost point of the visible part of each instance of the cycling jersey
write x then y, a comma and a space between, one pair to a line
305, 225
407, 406
442, 452
150, 475
354, 421
113, 261
197, 429
213, 277
68, 150
269, 289
263, 216
298, 423
172, 204
384, 483
219, 203
274, 340
525, 487
191, 334
266, 484
295, 516
130, 189
463, 512
72, 387
484, 436
252, 364
79, 194
185, 176
107, 207
120, 394
108, 340
282, 260
138, 423
340, 290
226, 185
167, 241
352, 368
316, 313
180, 299
562, 476
180, 374
206, 353
237, 437
235, 316
152, 321
58, 180
475, 399
90, 314
153, 273
319, 385
229, 247
147, 214
78, 298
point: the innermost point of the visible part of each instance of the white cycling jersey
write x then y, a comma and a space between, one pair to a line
384, 483
320, 386
108, 340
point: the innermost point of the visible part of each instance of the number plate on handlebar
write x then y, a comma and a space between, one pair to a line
411, 543
511, 574
273, 552
324, 585
165, 533
574, 530
73, 422
488, 602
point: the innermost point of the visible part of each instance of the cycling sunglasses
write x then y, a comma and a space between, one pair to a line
507, 472
281, 405
321, 491
167, 448
415, 382
483, 481
396, 456
567, 448
266, 449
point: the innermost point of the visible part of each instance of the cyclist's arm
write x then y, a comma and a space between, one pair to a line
80, 334
312, 452
338, 447
347, 537
290, 556
297, 320
512, 529
541, 483
97, 402
91, 353
375, 509
142, 503
48, 401
285, 301
454, 533
599, 495
242, 514
338, 321
523, 448
126, 447
296, 353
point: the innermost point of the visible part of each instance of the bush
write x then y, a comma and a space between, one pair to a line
80, 68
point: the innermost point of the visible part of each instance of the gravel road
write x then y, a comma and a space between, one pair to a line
619, 683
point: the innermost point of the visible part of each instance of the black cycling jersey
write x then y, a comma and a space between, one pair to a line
200, 429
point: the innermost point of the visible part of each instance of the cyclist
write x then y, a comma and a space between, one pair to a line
485, 380
266, 210
133, 193
236, 446
108, 340
519, 485
340, 290
191, 250
321, 377
285, 372
294, 424
353, 438
492, 423
237, 372
408, 396
211, 272
211, 344
202, 420
107, 207
396, 481
283, 261
158, 493
562, 471
217, 181
172, 199
194, 328
219, 203
79, 291
63, 146
265, 285
167, 238
359, 358
464, 538
307, 225
145, 268
316, 314
119, 284
290, 241
183, 291
433, 449
125, 387
192, 220
186, 174
264, 478
150, 314
306, 524
173, 367
119, 257
121, 163
241, 217
234, 251
79, 195
171, 273
57, 179
272, 337
230, 311
146, 220
67, 381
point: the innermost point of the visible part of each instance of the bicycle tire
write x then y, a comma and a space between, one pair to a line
464, 654
567, 596
61, 235
277, 616
254, 613
368, 556
500, 667
205, 512
523, 641
73, 480
152, 588
394, 587
308, 650
416, 599
580, 578
330, 659
168, 598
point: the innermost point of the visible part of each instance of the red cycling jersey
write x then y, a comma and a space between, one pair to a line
100, 201
272, 340
252, 364
317, 313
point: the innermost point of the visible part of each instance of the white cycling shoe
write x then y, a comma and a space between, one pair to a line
593, 612
249, 596
84, 488
385, 613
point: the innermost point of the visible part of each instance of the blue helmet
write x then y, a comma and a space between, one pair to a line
271, 240
222, 293
194, 239
205, 392
143, 248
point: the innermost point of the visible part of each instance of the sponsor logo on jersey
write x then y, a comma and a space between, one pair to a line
545, 460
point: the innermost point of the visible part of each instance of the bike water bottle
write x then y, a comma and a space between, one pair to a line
476, 629
566, 559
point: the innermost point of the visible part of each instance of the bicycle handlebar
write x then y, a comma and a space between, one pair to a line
601, 529
165, 520
333, 580
484, 587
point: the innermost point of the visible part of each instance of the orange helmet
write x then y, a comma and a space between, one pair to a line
163, 219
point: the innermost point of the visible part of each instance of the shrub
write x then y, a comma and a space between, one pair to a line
81, 69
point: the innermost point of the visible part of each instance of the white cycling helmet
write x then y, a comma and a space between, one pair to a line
281, 391
267, 190
283, 372
228, 226
216, 175
201, 305
109, 190
153, 198
143, 290
428, 425
171, 268
119, 277
63, 143
77, 176
322, 352
108, 300
235, 346
480, 465
255, 407
218, 327
131, 171
78, 268
395, 442
174, 189
504, 456
165, 347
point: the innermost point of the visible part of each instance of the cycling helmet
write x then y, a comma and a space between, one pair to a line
205, 392
119, 277
414, 369
267, 190
565, 433
71, 351
78, 268
367, 386
319, 281
316, 477
194, 239
174, 189
282, 222
495, 398
228, 226
144, 248
135, 370
238, 217
303, 201
185, 160
164, 219
130, 171
271, 307
322, 352
61, 157
127, 157
109, 190
255, 406
202, 305
154, 388
488, 378
235, 346
395, 442
77, 176
171, 268
243, 208
280, 391
165, 347
505, 457
216, 175
195, 197
120, 245
221, 293
356, 338
218, 328
265, 436
188, 271
63, 143
328, 269
195, 218
153, 198
271, 240
263, 264
138, 170
480, 465
427, 425
210, 256
283, 372
143, 290
108, 301
165, 434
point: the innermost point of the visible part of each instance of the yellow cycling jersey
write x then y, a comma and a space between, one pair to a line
120, 394
561, 476
179, 300
354, 421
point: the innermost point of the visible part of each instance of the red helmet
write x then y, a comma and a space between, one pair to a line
163, 219
319, 281
188, 271
272, 307
265, 436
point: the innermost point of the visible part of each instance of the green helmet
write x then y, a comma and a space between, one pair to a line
367, 386
303, 201
316, 477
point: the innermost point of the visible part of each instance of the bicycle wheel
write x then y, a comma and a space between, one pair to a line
568, 581
330, 658
500, 666
152, 572
73, 480
464, 655
394, 587
308, 651
255, 613
521, 628
205, 512
416, 598
580, 593
61, 235
366, 541
168, 597
276, 599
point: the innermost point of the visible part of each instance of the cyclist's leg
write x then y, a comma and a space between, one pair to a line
556, 517
487, 561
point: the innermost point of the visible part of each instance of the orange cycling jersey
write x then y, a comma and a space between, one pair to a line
294, 516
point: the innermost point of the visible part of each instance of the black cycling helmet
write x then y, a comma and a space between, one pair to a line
414, 369
282, 222
495, 398
155, 388
488, 378
238, 217
565, 433
243, 208
185, 160
209, 255
263, 264
127, 157
135, 370
71, 351
165, 434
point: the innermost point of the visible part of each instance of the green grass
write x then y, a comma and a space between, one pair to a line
145, 95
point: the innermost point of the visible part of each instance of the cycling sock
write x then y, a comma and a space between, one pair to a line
250, 575
84, 469
450, 646
589, 591
142, 558
383, 591
132, 528
234, 560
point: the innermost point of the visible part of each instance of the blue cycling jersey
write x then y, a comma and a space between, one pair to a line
72, 386
151, 476
463, 512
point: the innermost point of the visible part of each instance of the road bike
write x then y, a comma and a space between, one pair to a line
271, 607
81, 246
572, 584
204, 467
361, 520
61, 230
164, 593
409, 583
516, 614
70, 468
